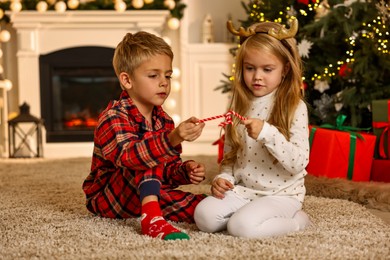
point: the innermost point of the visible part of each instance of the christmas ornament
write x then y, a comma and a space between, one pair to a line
323, 106
306, 2
322, 10
344, 70
321, 85
304, 48
338, 106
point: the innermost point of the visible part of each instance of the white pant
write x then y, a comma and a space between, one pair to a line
262, 217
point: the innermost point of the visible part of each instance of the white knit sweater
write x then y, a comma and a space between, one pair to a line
271, 165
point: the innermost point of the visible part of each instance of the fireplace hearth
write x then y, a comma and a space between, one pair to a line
76, 85
64, 93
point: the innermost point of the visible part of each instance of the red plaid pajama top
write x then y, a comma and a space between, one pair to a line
127, 152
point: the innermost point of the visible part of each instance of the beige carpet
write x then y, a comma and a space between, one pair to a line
42, 216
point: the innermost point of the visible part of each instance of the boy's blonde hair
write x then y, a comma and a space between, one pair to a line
135, 49
287, 95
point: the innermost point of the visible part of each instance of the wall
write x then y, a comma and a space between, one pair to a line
219, 11
201, 66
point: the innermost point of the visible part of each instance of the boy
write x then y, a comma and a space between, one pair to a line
136, 162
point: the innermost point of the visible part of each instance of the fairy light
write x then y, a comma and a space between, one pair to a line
42, 6
119, 5
137, 4
16, 6
173, 23
60, 6
378, 33
73, 4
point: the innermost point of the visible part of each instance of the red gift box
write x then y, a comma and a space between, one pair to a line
330, 154
380, 170
381, 125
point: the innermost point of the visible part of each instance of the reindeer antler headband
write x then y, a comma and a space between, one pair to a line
280, 34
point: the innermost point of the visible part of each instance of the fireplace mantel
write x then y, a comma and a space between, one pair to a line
45, 32
42, 33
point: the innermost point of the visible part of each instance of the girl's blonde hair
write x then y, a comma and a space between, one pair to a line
135, 49
287, 95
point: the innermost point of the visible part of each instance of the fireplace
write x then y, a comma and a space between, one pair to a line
76, 85
63, 92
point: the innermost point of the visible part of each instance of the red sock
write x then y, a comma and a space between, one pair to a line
153, 224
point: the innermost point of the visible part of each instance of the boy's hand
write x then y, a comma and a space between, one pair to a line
220, 186
188, 130
253, 127
196, 172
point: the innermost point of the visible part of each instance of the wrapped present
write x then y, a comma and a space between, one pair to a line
380, 170
381, 127
340, 152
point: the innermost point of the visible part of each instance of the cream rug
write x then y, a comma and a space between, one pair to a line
42, 216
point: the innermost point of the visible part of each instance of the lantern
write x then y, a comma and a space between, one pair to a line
25, 134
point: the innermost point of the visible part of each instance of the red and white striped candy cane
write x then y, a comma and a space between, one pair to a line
227, 116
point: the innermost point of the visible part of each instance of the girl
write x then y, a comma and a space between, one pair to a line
260, 189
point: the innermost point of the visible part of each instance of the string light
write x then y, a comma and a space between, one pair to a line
174, 6
73, 4
16, 6
137, 4
377, 32
173, 23
60, 7
170, 4
176, 118
120, 6
42, 6
175, 86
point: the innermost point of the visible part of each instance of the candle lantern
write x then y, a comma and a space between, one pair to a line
25, 134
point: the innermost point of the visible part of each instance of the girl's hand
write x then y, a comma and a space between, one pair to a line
253, 127
220, 186
196, 172
188, 130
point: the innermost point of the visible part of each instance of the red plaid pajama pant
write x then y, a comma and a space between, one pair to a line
120, 199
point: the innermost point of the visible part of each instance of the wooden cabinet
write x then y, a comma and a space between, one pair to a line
202, 68
202, 65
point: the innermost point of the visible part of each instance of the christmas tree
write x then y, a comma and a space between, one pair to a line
344, 48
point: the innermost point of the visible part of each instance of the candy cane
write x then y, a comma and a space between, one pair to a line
227, 116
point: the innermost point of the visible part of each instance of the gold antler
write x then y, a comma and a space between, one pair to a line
241, 31
284, 33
